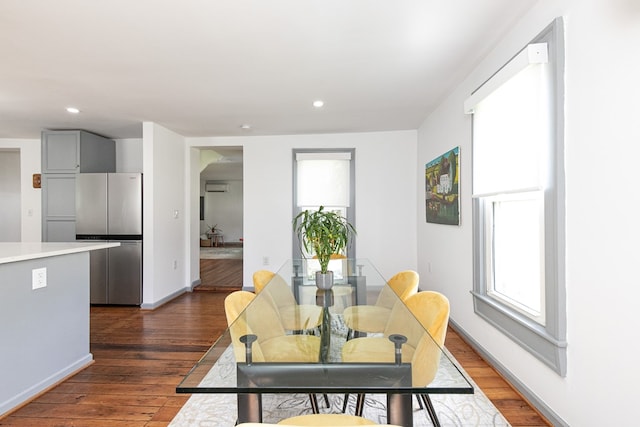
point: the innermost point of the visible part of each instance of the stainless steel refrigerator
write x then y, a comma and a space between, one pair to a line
109, 208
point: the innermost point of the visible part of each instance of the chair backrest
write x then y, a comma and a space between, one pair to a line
260, 319
261, 278
234, 305
333, 256
402, 284
432, 311
278, 287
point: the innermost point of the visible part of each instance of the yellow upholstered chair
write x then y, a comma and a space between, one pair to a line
321, 420
422, 349
373, 318
326, 420
294, 316
273, 343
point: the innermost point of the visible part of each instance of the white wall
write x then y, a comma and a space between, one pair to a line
602, 129
225, 210
30, 198
129, 155
164, 225
385, 202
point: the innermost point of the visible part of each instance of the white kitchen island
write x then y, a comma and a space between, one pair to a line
44, 316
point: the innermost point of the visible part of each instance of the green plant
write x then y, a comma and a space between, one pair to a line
323, 233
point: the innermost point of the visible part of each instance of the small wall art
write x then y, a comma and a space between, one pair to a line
442, 188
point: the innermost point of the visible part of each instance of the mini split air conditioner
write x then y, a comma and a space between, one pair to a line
214, 187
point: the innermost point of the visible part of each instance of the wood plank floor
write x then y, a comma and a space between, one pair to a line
220, 275
140, 357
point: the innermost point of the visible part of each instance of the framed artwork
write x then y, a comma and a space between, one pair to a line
442, 188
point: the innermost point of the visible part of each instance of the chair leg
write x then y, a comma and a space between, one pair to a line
344, 404
360, 404
432, 412
314, 403
420, 402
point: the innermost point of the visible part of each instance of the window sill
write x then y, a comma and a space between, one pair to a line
530, 335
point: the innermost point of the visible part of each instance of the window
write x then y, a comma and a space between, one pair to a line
515, 263
518, 198
323, 177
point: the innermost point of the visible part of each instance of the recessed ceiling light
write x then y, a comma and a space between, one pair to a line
72, 110
245, 126
318, 104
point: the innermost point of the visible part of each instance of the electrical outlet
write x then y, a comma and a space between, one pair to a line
265, 260
175, 264
38, 278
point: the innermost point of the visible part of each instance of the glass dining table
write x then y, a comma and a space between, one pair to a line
257, 355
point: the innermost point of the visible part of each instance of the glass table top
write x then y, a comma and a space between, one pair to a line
292, 337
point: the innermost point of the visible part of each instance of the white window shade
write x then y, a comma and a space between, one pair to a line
323, 179
509, 126
534, 53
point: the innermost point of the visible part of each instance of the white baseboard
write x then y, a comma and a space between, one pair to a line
48, 383
156, 304
531, 397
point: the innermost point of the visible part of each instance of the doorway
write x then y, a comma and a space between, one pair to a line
10, 210
221, 219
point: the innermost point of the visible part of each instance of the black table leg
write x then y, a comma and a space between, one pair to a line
399, 409
249, 408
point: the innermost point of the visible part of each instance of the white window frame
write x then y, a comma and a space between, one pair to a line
545, 338
537, 316
349, 211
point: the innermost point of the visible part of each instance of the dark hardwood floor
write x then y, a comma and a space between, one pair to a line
220, 275
140, 357
510, 403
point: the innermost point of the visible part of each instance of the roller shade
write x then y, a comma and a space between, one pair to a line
510, 126
323, 179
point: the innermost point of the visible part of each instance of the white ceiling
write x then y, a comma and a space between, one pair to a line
204, 67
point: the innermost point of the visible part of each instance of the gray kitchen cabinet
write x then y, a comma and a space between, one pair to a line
64, 154
58, 207
77, 151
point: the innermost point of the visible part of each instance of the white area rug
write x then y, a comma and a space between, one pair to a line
221, 253
220, 410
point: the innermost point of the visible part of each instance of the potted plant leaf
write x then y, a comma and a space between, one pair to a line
323, 233
211, 230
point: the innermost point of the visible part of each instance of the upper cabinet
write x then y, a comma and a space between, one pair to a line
77, 151
65, 154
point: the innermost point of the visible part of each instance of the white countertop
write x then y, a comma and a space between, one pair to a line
22, 251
